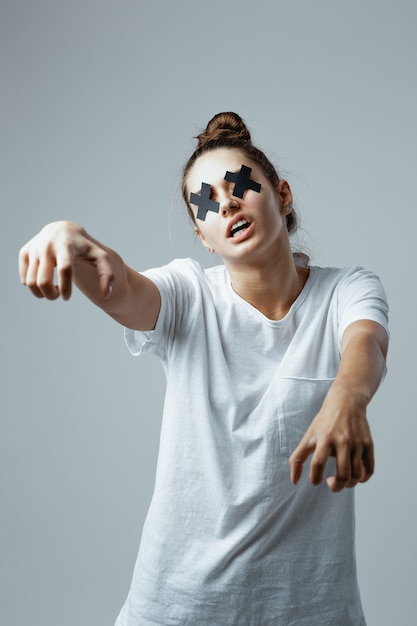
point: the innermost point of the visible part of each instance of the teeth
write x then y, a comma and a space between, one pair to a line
236, 228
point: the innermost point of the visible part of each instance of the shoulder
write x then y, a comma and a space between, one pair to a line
345, 277
358, 294
349, 287
185, 278
336, 273
187, 268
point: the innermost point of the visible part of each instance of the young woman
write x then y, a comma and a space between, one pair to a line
270, 365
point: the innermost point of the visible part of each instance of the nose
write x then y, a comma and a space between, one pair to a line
228, 204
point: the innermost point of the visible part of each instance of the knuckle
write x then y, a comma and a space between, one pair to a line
31, 283
101, 254
23, 253
44, 284
343, 477
370, 472
368, 443
64, 269
344, 439
317, 463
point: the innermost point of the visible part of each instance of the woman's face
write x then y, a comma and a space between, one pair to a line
238, 213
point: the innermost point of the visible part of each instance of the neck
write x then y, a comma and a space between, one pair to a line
271, 287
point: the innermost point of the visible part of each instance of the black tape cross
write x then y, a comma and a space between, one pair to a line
242, 181
204, 202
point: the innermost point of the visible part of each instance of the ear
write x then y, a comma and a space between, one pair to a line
204, 241
285, 195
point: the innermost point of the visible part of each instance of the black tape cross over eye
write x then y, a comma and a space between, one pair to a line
242, 182
204, 202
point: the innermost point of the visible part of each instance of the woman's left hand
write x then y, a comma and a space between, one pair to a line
339, 430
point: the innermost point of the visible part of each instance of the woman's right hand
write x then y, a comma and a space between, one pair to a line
64, 246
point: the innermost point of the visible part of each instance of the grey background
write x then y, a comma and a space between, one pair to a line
99, 104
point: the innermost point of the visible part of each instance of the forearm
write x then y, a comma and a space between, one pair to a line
132, 300
362, 365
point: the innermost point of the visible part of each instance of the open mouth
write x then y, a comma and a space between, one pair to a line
238, 227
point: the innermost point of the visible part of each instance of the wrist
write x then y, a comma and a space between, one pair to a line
348, 392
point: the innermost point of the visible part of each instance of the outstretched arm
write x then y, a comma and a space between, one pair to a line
341, 429
99, 272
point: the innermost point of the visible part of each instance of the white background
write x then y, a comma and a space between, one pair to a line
99, 104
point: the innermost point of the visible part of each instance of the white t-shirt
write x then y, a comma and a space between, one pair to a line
228, 539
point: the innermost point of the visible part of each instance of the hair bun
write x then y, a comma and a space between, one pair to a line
226, 126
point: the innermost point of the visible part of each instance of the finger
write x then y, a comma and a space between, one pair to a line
31, 279
296, 469
356, 467
368, 461
299, 457
356, 464
45, 278
64, 265
343, 470
23, 265
318, 463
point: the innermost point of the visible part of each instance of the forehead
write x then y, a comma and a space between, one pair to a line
211, 167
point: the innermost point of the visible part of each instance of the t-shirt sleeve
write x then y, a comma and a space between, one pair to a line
175, 288
361, 296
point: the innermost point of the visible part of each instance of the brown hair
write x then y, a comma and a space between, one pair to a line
228, 130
